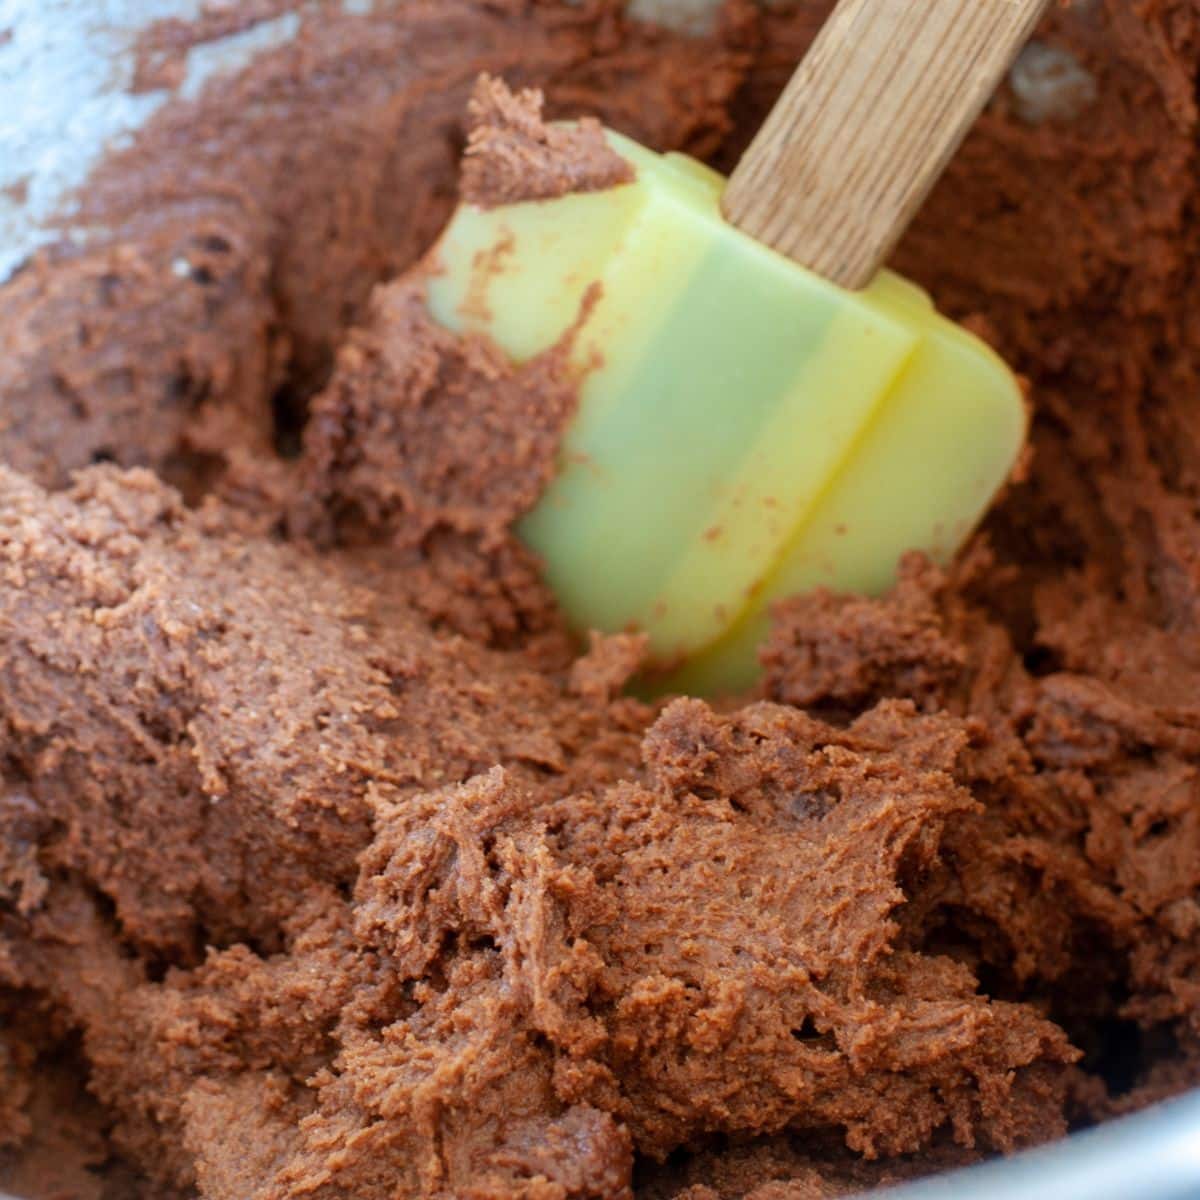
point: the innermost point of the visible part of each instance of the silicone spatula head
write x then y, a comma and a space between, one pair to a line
746, 427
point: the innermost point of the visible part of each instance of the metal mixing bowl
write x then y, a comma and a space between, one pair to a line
64, 66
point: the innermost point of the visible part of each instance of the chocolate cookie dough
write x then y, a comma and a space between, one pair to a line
330, 867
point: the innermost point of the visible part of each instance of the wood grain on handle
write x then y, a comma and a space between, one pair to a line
868, 123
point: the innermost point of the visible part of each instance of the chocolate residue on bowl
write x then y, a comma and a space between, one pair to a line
329, 868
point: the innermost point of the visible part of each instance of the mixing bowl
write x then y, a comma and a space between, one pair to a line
64, 65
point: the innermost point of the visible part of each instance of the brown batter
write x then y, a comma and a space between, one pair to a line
329, 870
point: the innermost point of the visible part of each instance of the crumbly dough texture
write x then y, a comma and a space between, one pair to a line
331, 868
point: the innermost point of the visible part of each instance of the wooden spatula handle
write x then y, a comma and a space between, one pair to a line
868, 123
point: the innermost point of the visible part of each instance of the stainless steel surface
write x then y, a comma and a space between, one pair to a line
63, 71
1154, 1155
65, 68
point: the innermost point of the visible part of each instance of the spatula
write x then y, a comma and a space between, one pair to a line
762, 409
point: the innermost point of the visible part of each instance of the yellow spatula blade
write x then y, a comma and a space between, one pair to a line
745, 428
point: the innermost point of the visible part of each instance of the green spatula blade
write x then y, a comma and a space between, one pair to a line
745, 428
